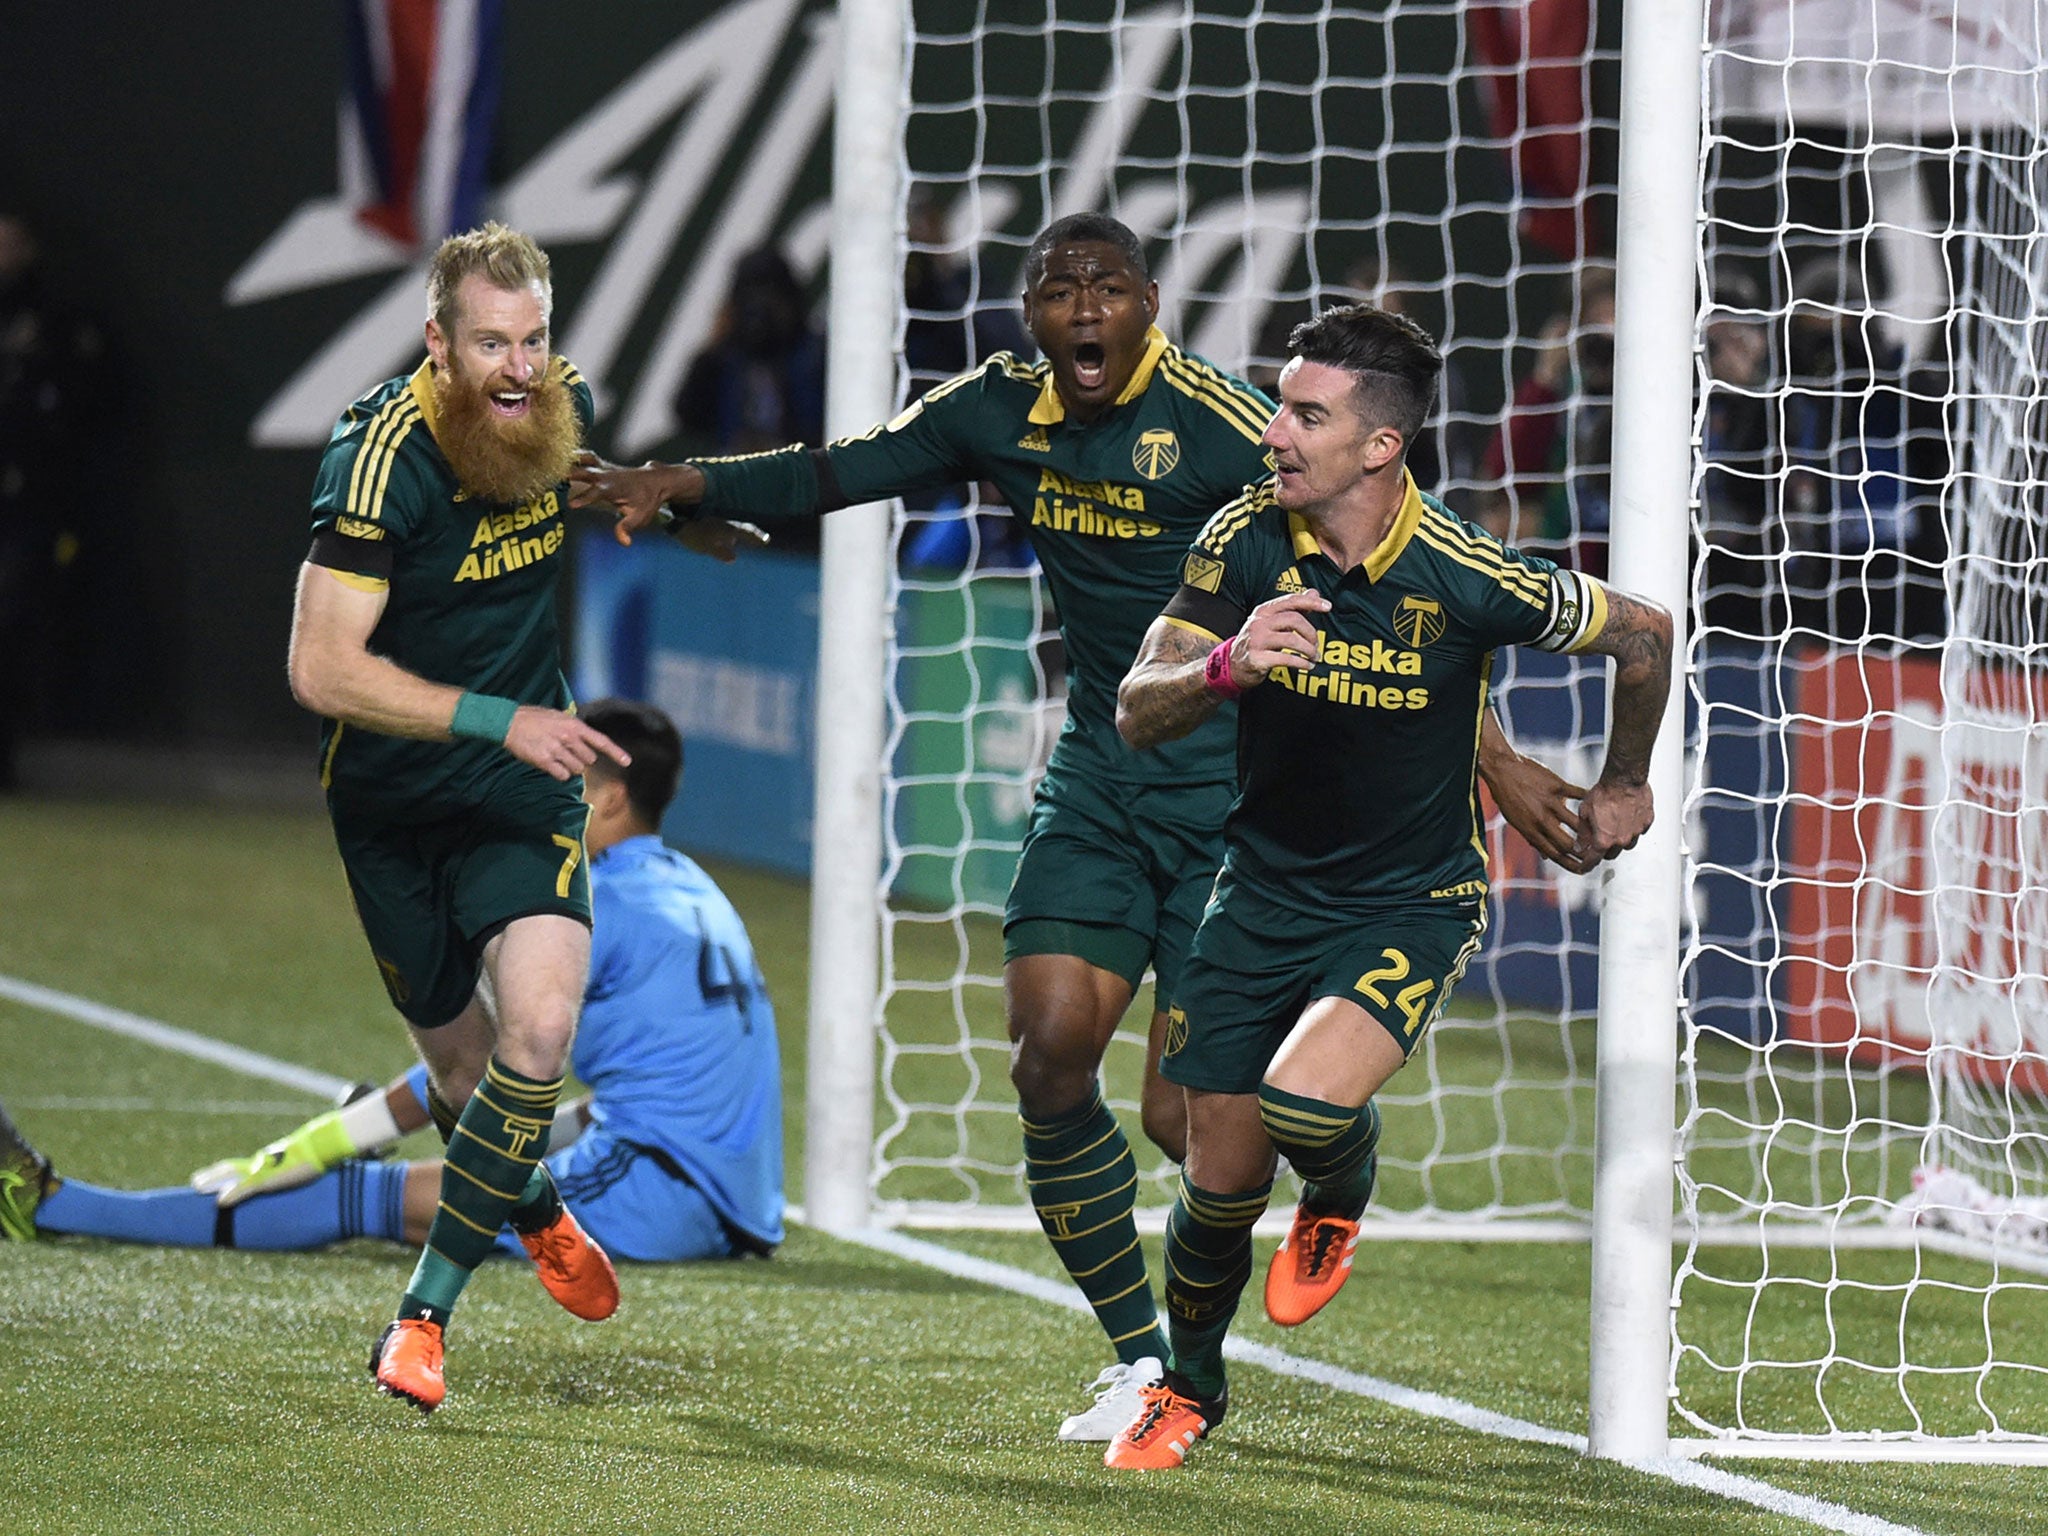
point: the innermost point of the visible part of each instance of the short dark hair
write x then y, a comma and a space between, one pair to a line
1085, 226
651, 740
1394, 361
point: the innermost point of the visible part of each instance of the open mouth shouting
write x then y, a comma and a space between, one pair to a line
510, 402
1091, 366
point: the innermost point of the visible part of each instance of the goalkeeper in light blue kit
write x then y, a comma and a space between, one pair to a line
677, 1150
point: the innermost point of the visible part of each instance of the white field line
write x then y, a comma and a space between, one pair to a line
1691, 1474
170, 1038
113, 1105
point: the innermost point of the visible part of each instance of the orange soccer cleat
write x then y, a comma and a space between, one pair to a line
1310, 1267
407, 1363
575, 1270
1170, 1420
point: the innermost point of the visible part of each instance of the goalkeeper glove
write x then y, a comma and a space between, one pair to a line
357, 1129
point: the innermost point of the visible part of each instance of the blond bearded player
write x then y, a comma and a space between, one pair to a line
425, 635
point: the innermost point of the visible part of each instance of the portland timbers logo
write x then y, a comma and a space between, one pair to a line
1419, 620
1157, 452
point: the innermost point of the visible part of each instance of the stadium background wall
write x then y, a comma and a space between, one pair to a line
163, 165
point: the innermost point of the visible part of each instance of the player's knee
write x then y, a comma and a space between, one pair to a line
536, 1042
1052, 1068
1164, 1114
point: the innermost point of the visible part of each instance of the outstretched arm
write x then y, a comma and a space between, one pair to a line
1617, 810
640, 497
1175, 685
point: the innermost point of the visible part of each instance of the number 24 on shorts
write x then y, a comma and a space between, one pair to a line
1412, 999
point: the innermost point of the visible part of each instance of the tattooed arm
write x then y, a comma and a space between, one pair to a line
1617, 810
1167, 693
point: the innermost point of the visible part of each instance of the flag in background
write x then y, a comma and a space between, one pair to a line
1536, 52
423, 97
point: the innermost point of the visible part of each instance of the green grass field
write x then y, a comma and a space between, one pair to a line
835, 1388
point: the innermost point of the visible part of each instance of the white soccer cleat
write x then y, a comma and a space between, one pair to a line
1116, 1400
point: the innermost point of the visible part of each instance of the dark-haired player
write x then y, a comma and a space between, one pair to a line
1354, 621
1113, 451
675, 1154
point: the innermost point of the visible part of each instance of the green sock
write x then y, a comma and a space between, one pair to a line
1208, 1261
539, 1203
1334, 1148
1084, 1186
491, 1161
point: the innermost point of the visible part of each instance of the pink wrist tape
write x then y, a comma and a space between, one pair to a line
1216, 672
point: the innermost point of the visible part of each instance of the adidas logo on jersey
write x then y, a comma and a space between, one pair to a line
1036, 441
1290, 581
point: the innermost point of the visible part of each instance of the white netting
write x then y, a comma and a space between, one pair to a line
1862, 1149
1274, 155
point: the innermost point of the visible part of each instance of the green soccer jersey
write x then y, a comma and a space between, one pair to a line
471, 584
1111, 505
1357, 778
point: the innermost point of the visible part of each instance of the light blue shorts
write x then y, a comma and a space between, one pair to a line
634, 1207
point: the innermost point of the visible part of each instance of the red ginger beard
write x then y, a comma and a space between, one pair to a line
506, 458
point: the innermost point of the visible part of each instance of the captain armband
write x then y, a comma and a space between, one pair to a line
1577, 614
352, 554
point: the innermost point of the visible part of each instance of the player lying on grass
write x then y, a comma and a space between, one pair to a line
679, 1154
1354, 621
1113, 451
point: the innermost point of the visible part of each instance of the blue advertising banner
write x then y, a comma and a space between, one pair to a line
730, 652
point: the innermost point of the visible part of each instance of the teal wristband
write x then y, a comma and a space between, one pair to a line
482, 717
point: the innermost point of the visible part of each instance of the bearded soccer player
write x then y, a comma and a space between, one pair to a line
1353, 621
1115, 450
425, 634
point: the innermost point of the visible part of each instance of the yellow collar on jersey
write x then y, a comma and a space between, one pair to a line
1049, 408
422, 387
1389, 549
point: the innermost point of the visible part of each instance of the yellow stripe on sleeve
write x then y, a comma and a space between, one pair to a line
1193, 629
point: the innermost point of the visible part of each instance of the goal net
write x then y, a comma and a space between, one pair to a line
1454, 161
1861, 1142
1863, 1158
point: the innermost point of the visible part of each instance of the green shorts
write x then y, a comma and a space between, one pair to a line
1256, 965
431, 894
1116, 874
